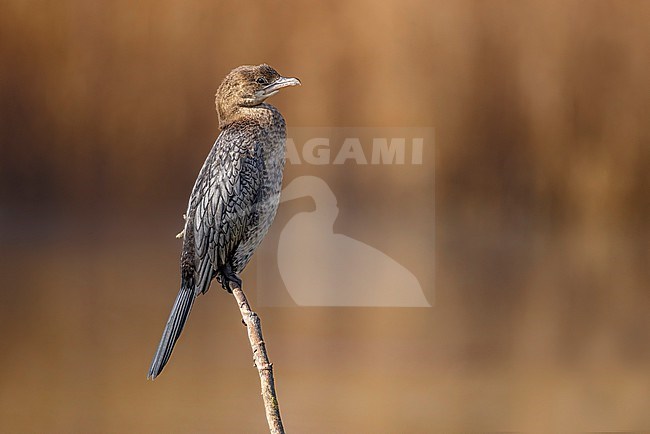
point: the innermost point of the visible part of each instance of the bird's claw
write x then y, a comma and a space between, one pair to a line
228, 277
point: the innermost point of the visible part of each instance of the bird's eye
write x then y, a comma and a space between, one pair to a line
261, 80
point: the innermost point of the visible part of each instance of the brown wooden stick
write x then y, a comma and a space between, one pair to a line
261, 359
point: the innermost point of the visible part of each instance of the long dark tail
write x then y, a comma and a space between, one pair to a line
174, 327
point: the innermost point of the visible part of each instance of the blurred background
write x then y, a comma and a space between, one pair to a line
540, 319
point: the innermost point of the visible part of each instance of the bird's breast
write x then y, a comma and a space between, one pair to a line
270, 137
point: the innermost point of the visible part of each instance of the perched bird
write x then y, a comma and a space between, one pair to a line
236, 195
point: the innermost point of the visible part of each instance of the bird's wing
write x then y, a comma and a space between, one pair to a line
223, 201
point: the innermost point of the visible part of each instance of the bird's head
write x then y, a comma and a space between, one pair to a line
248, 86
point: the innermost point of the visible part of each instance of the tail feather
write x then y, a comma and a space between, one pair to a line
173, 329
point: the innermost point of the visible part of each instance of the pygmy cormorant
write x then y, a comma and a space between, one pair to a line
235, 196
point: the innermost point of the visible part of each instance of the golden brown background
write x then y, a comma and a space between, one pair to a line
541, 316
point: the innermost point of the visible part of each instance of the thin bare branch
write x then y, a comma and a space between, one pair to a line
261, 360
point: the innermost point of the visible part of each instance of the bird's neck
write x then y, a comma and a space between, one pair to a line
263, 113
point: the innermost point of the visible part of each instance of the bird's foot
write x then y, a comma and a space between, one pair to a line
233, 282
229, 279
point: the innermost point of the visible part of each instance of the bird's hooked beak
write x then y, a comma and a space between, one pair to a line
278, 84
